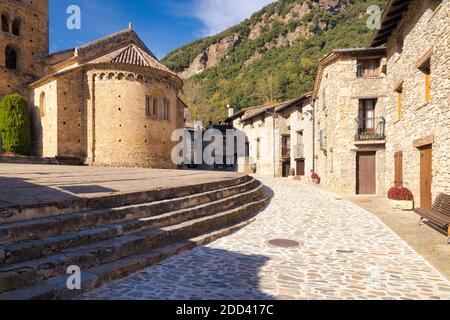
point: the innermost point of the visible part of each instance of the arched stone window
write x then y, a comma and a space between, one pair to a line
15, 30
42, 104
5, 22
10, 58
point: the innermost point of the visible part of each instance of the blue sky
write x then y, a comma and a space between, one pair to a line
164, 25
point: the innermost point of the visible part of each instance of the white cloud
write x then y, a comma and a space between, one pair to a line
218, 15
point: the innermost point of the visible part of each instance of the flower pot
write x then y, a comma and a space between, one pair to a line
9, 154
402, 204
316, 181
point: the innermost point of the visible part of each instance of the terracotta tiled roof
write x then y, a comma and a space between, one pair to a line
280, 106
253, 112
134, 55
131, 55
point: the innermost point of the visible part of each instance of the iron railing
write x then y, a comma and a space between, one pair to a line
286, 151
323, 140
368, 129
299, 151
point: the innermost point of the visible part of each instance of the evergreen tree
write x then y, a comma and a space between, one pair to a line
15, 125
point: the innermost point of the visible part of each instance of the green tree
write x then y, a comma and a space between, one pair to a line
15, 124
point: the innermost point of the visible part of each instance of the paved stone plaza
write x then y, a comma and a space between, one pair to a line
345, 252
31, 184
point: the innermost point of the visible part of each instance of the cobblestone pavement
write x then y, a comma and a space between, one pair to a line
345, 252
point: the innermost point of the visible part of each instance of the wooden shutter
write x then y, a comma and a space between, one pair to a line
427, 85
400, 103
398, 169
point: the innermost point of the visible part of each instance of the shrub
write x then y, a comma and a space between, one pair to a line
315, 176
15, 125
400, 194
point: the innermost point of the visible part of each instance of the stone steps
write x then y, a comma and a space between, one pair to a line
110, 243
64, 223
29, 273
40, 210
34, 249
93, 278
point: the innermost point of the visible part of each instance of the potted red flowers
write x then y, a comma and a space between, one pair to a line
315, 178
9, 154
401, 198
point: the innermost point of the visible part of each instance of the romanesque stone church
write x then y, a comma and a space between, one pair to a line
109, 102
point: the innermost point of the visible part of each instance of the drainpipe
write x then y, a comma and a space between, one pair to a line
274, 114
313, 118
274, 137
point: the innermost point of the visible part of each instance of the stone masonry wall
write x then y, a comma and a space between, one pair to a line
30, 45
118, 131
261, 127
44, 115
71, 120
336, 111
301, 120
425, 27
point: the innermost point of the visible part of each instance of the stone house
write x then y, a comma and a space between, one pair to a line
109, 102
417, 36
279, 138
350, 109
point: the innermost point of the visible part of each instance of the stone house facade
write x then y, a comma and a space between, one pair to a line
278, 137
418, 96
350, 108
109, 102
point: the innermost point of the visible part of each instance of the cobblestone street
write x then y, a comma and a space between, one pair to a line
344, 252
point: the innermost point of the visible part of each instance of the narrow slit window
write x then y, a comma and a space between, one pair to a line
166, 109
155, 107
148, 106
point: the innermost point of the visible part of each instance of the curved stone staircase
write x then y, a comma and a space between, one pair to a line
112, 237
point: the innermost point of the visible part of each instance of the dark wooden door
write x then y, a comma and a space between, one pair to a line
300, 168
426, 177
398, 169
366, 172
286, 169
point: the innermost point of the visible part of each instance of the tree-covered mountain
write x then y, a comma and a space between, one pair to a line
271, 56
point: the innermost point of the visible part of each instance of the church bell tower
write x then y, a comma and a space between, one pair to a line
24, 40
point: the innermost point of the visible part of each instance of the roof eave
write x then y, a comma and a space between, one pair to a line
390, 19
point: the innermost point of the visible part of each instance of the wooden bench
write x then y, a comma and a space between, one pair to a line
439, 215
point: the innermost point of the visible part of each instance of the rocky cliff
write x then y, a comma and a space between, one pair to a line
275, 50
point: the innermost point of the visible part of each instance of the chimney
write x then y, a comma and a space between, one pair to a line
230, 110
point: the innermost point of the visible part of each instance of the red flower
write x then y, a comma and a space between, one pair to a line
315, 176
400, 194
9, 154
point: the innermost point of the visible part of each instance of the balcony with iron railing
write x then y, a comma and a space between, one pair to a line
323, 141
286, 152
370, 129
299, 151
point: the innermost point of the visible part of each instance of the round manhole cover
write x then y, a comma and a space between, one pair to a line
284, 243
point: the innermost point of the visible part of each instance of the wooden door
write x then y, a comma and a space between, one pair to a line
398, 169
366, 173
300, 168
426, 177
286, 168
